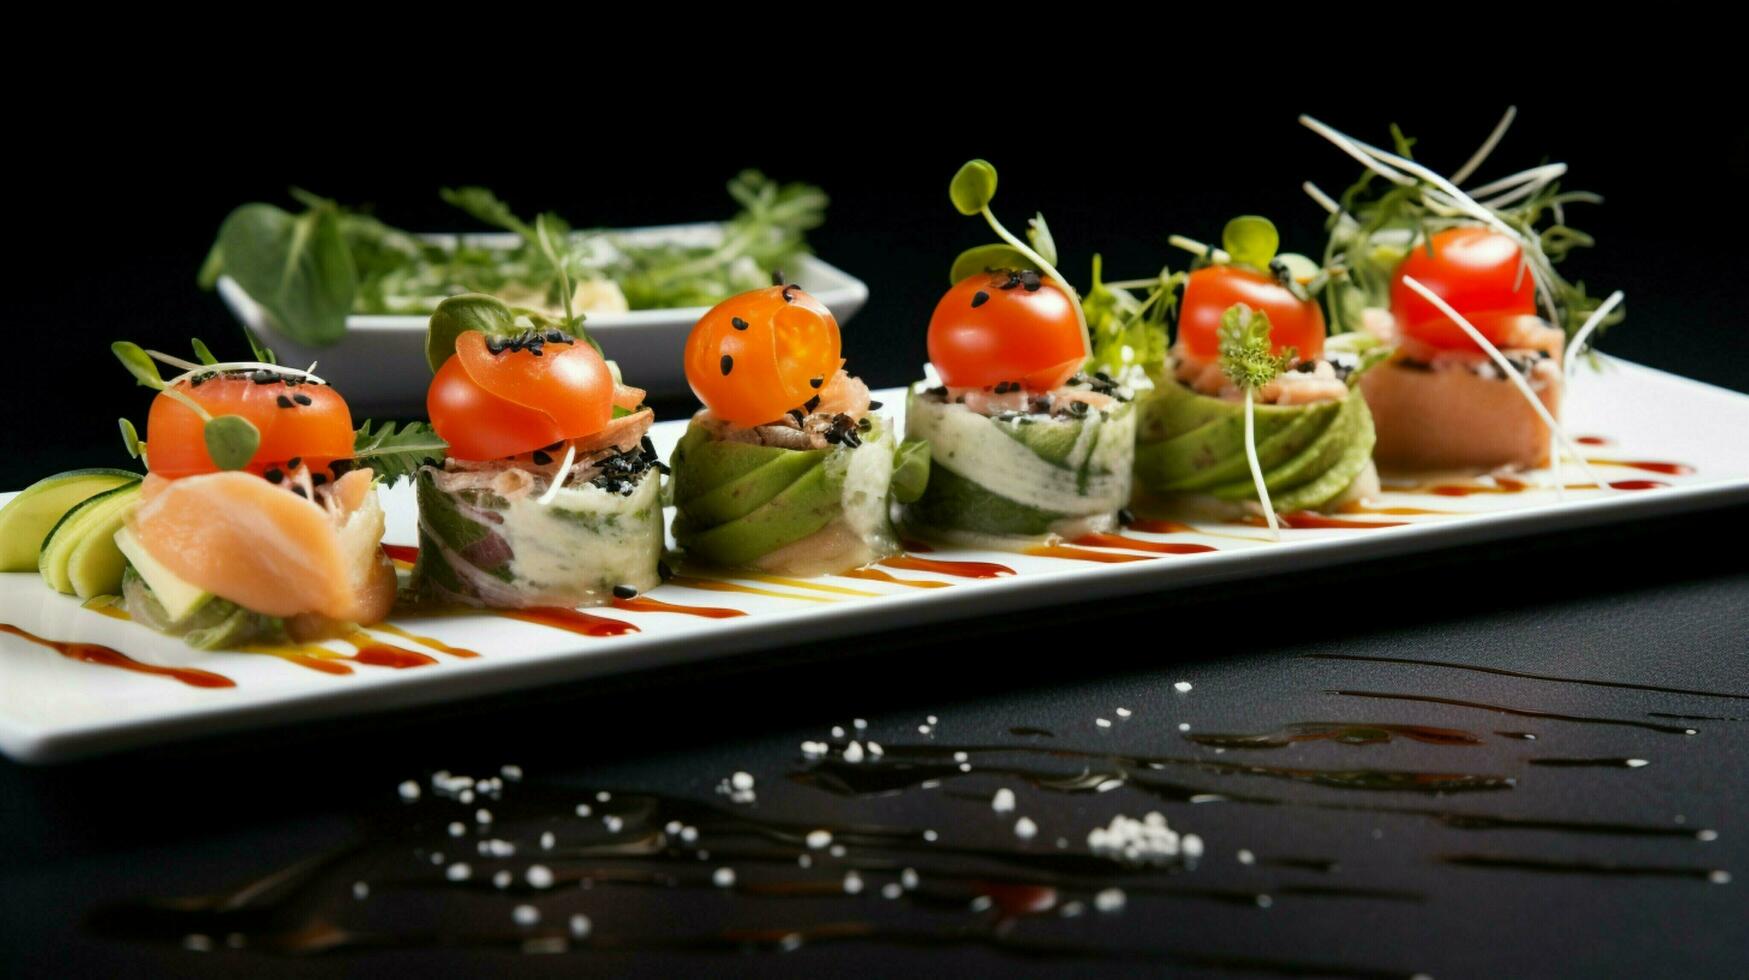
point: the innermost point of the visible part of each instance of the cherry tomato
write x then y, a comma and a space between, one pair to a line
1211, 290
755, 356
1475, 270
319, 432
490, 405
1003, 326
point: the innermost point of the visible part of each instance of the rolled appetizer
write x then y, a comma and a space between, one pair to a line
787, 468
1024, 447
1249, 408
1461, 289
551, 493
255, 520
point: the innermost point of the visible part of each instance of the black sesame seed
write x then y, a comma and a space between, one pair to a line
816, 382
777, 277
798, 415
979, 298
301, 398
283, 402
495, 345
298, 489
317, 479
728, 364
737, 323
812, 403
294, 462
1126, 516
787, 298
873, 406
274, 476
624, 592
263, 377
536, 351
555, 337
663, 571
541, 458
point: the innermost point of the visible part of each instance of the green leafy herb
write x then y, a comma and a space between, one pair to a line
1245, 348
201, 352
1251, 240
396, 455
298, 267
231, 441
139, 364
458, 315
1129, 333
1039, 234
973, 187
130, 437
985, 258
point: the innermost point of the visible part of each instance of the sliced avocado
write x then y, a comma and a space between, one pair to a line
742, 495
79, 556
1051, 441
701, 464
1335, 480
26, 519
1307, 464
1194, 441
179, 598
803, 507
911, 468
952, 501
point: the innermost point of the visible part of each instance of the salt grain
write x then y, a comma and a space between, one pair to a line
409, 790
580, 925
1003, 801
540, 876
1181, 687
723, 878
1025, 829
526, 915
852, 883
459, 871
613, 823
502, 879
1123, 712
1109, 900
818, 839
547, 840
602, 796
360, 890
982, 903
814, 750
853, 753
741, 780
483, 815
908, 878
1246, 857
457, 828
859, 723
891, 890
1102, 722
583, 810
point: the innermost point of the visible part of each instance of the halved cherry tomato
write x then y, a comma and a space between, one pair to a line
319, 432
757, 355
493, 405
1003, 326
1478, 272
1211, 290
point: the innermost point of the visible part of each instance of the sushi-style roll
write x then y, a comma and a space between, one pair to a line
1024, 447
254, 521
1460, 289
787, 469
1250, 408
551, 493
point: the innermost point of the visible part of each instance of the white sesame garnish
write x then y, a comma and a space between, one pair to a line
837, 731
1720, 877
933, 720
502, 879
981, 904
540, 876
960, 757
1184, 726
613, 822
409, 790
741, 780
1123, 712
852, 883
723, 878
512, 773
1003, 801
197, 942
853, 752
580, 925
1191, 844
1102, 722
891, 890
602, 796
859, 723
908, 878
837, 850
459, 871
1025, 829
818, 839
1181, 687
526, 915
1707, 835
688, 834
923, 729
483, 815
874, 748
360, 890
547, 840
1246, 857
1637, 763
1109, 900
965, 767
815, 750
931, 836
583, 810
457, 828
465, 797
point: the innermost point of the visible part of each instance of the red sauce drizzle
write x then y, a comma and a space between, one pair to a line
432, 642
401, 552
1138, 544
1306, 520
1591, 440
91, 653
374, 653
571, 620
1636, 484
1081, 554
647, 604
1509, 485
876, 575
1154, 526
1356, 507
293, 655
1650, 466
959, 569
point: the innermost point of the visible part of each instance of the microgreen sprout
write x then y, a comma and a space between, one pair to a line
971, 190
1246, 360
552, 492
1576, 346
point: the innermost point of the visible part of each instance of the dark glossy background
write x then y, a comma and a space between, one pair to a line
1658, 601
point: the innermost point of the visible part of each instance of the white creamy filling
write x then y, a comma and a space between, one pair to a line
587, 540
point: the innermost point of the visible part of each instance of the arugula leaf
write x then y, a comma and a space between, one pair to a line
297, 267
397, 455
1127, 332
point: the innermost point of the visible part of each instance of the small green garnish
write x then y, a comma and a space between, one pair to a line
201, 352
1244, 348
130, 437
973, 187
460, 314
1251, 240
231, 441
139, 364
396, 455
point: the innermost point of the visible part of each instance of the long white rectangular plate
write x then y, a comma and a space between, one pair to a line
54, 708
380, 363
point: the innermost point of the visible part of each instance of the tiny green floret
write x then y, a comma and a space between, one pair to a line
1244, 348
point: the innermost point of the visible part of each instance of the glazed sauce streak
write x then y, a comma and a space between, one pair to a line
1592, 441
1154, 526
1082, 554
401, 552
876, 575
1139, 544
646, 604
958, 569
571, 620
91, 653
1650, 466
428, 641
1507, 485
1305, 520
373, 653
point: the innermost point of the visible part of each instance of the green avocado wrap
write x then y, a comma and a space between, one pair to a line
486, 539
1190, 445
742, 503
1010, 479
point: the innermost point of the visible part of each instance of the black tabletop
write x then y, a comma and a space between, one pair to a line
1528, 758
